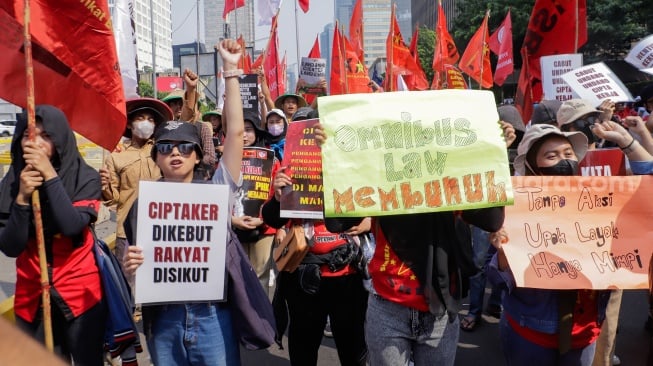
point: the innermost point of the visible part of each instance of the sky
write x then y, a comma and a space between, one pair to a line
184, 20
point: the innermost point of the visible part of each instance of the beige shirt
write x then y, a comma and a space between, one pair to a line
127, 168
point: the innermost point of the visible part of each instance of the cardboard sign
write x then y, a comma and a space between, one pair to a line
596, 83
641, 55
182, 229
257, 175
303, 161
603, 162
311, 73
553, 67
411, 152
249, 92
580, 232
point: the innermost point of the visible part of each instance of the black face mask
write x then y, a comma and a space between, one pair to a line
564, 167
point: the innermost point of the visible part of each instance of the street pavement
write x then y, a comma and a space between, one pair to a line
480, 347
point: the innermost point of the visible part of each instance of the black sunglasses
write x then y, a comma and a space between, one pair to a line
165, 148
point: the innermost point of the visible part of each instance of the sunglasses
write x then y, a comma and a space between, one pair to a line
165, 148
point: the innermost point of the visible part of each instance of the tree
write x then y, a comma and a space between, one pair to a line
145, 89
425, 44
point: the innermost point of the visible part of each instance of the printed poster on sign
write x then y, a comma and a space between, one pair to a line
641, 55
603, 162
182, 229
580, 232
249, 92
553, 67
257, 173
596, 83
413, 152
312, 72
303, 163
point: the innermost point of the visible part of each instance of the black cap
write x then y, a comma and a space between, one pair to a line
178, 131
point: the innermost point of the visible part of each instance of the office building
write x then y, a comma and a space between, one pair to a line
240, 21
425, 13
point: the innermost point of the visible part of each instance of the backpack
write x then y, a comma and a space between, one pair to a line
461, 259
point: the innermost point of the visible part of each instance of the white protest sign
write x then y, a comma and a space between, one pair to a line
641, 55
553, 67
312, 71
596, 83
182, 229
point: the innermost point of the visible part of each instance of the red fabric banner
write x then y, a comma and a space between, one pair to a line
75, 64
304, 5
501, 45
445, 51
416, 81
271, 63
356, 30
231, 5
357, 76
475, 61
338, 74
399, 59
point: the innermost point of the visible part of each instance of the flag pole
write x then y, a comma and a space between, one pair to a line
36, 202
487, 15
297, 38
576, 26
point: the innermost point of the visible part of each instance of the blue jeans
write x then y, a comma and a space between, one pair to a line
190, 334
395, 332
481, 246
518, 351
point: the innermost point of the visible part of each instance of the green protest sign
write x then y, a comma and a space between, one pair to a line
411, 152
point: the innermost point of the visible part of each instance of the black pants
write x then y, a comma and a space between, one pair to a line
80, 339
344, 300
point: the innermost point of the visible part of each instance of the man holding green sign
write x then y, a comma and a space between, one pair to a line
427, 155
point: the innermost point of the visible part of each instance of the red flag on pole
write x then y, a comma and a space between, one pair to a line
75, 65
554, 28
281, 72
245, 62
231, 5
475, 61
501, 44
338, 73
399, 59
418, 80
304, 5
357, 77
315, 51
356, 30
445, 51
271, 62
258, 62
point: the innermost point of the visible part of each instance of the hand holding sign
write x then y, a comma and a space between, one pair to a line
280, 182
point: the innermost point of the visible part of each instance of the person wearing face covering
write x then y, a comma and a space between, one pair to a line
123, 170
277, 126
70, 195
540, 326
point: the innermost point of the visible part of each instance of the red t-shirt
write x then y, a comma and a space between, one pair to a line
326, 241
585, 329
392, 279
75, 275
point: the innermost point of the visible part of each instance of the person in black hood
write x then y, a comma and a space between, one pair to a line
70, 197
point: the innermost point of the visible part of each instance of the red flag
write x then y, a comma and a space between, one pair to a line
418, 80
258, 62
449, 78
231, 5
75, 65
357, 76
553, 29
356, 30
271, 62
501, 44
281, 72
445, 51
475, 61
304, 5
338, 74
399, 59
245, 62
315, 51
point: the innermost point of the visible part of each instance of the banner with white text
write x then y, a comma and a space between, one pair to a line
411, 152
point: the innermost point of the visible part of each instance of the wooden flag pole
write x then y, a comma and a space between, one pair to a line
36, 203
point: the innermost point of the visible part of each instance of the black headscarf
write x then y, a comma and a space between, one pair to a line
80, 180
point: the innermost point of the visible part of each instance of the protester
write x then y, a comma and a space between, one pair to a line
277, 127
69, 191
122, 171
313, 293
214, 117
177, 152
255, 236
545, 112
289, 103
580, 115
539, 326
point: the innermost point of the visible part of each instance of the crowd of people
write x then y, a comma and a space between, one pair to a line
409, 313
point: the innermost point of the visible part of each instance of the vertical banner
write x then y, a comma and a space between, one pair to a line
257, 174
580, 232
311, 73
182, 229
596, 83
303, 161
413, 152
553, 67
603, 162
249, 92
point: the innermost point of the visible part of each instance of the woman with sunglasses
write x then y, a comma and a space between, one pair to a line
194, 333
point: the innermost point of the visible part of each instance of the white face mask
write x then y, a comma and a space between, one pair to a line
143, 129
275, 130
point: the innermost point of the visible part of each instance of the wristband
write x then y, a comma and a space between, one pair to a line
628, 146
232, 73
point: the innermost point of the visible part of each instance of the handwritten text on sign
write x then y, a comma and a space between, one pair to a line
182, 230
410, 152
580, 232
